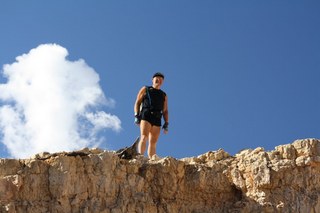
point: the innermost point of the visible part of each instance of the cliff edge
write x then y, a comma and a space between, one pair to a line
286, 179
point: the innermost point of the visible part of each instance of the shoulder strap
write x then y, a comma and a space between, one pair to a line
147, 91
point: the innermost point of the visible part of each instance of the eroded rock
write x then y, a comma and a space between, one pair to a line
283, 180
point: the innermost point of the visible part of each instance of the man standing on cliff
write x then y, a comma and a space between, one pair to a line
154, 103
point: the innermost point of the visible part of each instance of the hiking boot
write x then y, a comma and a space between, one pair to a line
155, 157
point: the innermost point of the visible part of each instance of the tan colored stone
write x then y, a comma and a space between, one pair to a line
92, 180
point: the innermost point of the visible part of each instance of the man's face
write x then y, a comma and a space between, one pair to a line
157, 80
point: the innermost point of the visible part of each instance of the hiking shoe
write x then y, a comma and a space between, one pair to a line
155, 157
142, 158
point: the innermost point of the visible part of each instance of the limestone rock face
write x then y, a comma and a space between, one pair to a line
284, 180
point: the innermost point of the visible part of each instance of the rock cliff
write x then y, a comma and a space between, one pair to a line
286, 179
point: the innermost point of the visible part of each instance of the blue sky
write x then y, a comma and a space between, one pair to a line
239, 74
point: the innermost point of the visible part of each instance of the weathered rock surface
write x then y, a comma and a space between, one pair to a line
284, 180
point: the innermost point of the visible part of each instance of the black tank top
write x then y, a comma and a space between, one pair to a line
157, 97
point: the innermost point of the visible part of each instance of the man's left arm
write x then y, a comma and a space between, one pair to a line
165, 115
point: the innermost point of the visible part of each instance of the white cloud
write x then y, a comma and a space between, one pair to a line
47, 100
103, 120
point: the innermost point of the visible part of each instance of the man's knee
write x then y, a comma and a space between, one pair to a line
154, 139
143, 138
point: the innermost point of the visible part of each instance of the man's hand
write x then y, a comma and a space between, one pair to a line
137, 119
165, 127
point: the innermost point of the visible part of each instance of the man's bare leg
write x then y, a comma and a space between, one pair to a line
153, 138
145, 128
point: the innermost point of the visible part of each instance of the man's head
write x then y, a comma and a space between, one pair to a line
158, 74
157, 80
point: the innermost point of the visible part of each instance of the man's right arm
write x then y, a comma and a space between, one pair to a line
139, 100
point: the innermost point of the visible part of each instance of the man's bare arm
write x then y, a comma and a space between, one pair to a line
139, 99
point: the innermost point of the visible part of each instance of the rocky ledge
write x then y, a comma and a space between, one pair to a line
286, 179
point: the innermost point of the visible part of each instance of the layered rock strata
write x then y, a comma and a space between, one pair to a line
286, 179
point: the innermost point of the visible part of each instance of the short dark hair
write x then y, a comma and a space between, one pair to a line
158, 74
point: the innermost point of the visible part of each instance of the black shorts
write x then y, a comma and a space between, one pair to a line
153, 117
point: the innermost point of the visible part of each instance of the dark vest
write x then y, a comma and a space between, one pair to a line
157, 97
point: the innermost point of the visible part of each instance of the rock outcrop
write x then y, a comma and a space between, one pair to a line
284, 180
